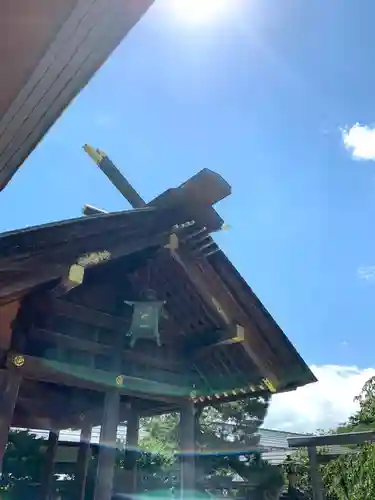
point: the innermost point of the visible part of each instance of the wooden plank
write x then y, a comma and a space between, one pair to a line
87, 315
75, 343
68, 342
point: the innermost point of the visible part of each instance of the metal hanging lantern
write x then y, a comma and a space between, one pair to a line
145, 320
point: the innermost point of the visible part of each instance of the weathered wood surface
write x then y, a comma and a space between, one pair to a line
48, 60
10, 381
83, 458
48, 466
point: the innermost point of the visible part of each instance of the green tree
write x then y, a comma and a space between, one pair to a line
23, 464
351, 476
225, 449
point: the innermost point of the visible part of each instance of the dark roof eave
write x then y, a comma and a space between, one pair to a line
86, 39
301, 373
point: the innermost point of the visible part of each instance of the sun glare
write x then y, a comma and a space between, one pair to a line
199, 11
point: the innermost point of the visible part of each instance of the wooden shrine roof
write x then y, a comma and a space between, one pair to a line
49, 50
38, 255
208, 304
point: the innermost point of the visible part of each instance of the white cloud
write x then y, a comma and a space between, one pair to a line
360, 141
367, 273
322, 405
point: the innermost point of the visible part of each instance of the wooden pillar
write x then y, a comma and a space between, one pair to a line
107, 446
132, 436
187, 444
49, 463
84, 456
9, 384
316, 480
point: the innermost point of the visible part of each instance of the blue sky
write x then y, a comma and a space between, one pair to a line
260, 95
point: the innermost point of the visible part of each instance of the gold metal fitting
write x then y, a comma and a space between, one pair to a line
18, 361
269, 385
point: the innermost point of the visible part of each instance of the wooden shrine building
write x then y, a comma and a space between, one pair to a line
109, 317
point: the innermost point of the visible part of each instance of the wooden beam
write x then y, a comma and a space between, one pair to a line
346, 438
229, 397
108, 434
73, 278
221, 302
87, 378
84, 455
33, 395
108, 446
187, 444
56, 264
231, 335
90, 210
63, 340
10, 381
68, 342
87, 315
129, 475
115, 176
8, 313
316, 479
48, 468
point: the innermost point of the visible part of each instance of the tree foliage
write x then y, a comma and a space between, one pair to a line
225, 450
22, 465
351, 476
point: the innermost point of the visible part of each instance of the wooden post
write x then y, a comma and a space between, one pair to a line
84, 456
132, 436
316, 480
49, 463
10, 384
187, 444
107, 446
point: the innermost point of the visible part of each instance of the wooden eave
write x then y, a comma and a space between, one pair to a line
203, 293
49, 51
38, 255
270, 338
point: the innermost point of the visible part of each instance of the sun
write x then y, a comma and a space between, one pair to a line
199, 11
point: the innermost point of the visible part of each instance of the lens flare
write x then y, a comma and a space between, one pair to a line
200, 11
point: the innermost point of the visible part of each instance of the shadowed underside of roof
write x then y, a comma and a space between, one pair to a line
49, 50
33, 256
36, 256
